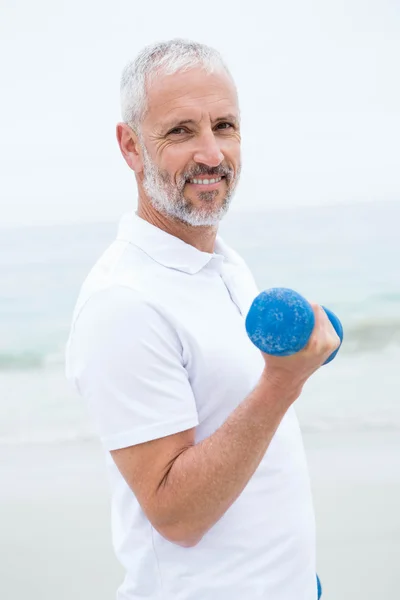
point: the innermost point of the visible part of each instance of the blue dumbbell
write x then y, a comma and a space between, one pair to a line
280, 322
319, 588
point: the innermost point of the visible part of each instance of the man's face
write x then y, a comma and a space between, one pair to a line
191, 131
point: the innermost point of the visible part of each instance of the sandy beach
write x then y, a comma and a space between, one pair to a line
55, 522
355, 479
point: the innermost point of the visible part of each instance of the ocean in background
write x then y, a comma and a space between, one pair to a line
345, 257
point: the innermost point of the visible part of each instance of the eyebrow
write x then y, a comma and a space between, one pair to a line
172, 124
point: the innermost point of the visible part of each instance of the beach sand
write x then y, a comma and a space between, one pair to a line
55, 519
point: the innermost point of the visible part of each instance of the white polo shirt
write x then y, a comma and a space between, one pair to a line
158, 345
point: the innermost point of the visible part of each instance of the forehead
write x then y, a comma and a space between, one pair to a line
190, 93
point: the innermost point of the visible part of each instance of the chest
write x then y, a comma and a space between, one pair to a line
223, 365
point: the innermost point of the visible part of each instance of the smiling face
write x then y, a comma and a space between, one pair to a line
190, 136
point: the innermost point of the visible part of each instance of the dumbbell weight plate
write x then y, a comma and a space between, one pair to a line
280, 322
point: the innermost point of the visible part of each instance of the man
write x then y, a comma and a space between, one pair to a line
210, 491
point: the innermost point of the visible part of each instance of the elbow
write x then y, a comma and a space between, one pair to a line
175, 535
188, 543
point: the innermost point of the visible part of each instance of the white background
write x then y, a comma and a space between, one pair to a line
318, 86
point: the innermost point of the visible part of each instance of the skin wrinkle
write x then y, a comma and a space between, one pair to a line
188, 107
164, 162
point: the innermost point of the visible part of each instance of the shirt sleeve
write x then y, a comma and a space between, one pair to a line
126, 361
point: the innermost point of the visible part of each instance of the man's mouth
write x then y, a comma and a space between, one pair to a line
205, 181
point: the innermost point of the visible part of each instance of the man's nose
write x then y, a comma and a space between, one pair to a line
208, 151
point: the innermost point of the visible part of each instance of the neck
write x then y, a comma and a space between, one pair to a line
202, 238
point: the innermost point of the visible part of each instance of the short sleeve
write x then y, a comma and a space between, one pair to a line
125, 359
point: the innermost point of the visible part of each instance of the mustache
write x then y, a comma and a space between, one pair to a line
210, 171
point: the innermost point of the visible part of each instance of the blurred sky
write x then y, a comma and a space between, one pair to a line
318, 85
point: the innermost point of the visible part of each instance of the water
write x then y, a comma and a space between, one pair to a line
345, 257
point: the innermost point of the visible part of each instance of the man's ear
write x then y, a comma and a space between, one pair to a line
129, 145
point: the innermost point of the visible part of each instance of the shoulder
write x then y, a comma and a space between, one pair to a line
120, 321
118, 308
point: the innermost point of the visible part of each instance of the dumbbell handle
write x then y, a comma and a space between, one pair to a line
280, 322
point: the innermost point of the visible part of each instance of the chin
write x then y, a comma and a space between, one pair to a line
204, 219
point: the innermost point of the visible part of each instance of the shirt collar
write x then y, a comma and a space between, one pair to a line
168, 250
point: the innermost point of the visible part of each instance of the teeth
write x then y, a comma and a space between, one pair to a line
206, 181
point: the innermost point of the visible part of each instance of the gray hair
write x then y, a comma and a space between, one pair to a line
164, 58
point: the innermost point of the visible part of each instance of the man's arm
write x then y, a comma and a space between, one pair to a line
184, 488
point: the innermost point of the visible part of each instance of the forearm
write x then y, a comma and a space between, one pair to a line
205, 479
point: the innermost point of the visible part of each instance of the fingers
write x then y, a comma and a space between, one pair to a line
324, 329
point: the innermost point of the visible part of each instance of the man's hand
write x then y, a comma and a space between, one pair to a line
291, 372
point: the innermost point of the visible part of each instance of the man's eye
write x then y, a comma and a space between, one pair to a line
225, 123
177, 130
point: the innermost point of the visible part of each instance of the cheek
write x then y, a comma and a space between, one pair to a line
233, 149
230, 148
175, 161
236, 157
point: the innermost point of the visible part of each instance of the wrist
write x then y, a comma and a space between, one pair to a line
281, 384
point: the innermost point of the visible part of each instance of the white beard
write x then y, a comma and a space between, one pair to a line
168, 199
